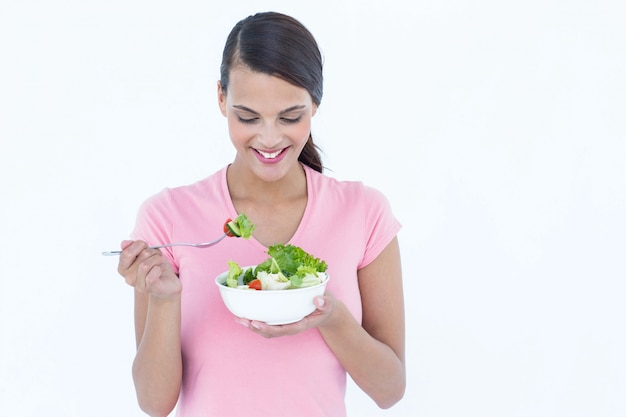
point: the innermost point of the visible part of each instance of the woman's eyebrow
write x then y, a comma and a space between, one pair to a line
244, 108
287, 110
293, 108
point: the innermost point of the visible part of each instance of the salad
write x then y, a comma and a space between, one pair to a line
240, 227
287, 267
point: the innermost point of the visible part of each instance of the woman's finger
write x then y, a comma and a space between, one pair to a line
129, 255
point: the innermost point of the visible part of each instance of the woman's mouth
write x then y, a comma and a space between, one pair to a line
271, 157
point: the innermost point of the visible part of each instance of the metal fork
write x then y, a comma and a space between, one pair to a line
195, 245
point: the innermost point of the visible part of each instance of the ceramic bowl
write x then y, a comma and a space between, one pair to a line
270, 306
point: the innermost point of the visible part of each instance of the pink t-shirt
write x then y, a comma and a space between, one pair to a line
227, 369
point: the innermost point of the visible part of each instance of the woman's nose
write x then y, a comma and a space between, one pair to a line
269, 137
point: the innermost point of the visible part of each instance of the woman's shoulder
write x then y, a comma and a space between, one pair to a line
349, 189
205, 188
214, 180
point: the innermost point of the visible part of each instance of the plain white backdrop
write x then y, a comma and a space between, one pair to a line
496, 130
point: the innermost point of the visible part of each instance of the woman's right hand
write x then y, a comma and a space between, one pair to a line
147, 270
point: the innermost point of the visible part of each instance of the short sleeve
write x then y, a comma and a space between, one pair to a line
154, 223
380, 224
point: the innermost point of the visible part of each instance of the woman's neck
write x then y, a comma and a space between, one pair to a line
275, 207
245, 185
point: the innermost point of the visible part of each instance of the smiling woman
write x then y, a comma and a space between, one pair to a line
191, 350
269, 120
286, 50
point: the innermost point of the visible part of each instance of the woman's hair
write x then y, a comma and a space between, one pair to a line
279, 45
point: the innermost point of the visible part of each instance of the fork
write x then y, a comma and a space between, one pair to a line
167, 245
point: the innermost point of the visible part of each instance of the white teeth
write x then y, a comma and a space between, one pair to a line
271, 155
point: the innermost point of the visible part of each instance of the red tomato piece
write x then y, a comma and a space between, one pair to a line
255, 284
226, 229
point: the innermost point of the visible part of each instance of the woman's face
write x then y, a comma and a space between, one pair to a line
269, 121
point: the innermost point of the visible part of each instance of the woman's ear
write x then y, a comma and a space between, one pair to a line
221, 98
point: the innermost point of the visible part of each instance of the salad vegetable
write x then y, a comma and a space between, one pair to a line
287, 267
240, 227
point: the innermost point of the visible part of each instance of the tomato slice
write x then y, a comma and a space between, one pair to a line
255, 284
226, 229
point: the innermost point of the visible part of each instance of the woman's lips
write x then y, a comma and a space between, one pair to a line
271, 157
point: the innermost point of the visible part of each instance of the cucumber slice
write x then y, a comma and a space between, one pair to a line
233, 229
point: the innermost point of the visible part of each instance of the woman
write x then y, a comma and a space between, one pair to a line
190, 350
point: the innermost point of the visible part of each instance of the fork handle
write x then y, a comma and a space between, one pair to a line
117, 252
167, 245
111, 253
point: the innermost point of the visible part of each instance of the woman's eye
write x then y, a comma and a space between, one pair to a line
247, 121
290, 120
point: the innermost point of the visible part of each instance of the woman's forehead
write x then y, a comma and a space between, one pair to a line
250, 88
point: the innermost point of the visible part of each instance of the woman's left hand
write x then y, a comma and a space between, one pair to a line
325, 305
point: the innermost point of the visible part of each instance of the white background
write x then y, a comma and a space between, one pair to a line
496, 129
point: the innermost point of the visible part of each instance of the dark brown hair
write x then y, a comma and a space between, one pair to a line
279, 45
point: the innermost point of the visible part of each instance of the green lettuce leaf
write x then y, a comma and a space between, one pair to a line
234, 271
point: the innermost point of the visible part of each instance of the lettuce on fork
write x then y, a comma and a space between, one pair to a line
240, 227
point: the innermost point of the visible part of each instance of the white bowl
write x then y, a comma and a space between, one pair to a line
270, 306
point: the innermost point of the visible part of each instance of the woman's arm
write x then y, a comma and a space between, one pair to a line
157, 368
373, 354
